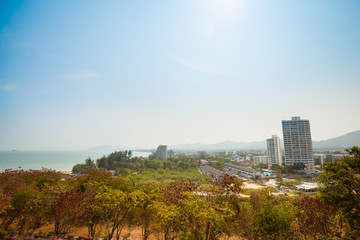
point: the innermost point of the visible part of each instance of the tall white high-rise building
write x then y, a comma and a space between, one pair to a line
298, 143
161, 152
274, 151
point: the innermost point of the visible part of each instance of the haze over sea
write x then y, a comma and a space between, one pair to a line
55, 160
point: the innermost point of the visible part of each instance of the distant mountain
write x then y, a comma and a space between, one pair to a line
194, 146
348, 140
345, 141
227, 145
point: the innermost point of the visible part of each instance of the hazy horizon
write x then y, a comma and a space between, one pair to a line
79, 74
120, 148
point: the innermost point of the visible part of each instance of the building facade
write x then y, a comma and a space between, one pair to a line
319, 159
298, 143
274, 151
161, 152
260, 160
241, 171
212, 172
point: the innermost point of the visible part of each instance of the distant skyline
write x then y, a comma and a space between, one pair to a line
79, 74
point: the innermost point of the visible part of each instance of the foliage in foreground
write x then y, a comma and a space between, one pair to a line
173, 168
181, 209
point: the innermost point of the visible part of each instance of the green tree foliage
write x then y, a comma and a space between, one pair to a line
340, 188
180, 209
273, 218
21, 194
168, 217
111, 204
26, 206
65, 208
83, 168
144, 206
123, 164
315, 218
124, 160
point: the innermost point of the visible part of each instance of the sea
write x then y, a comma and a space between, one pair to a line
54, 160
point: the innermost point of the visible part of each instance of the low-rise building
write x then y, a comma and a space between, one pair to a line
212, 172
242, 171
260, 160
319, 159
307, 187
334, 157
220, 154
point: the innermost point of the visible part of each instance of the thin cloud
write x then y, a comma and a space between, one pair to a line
201, 69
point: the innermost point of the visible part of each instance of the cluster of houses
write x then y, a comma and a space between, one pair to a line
232, 170
250, 173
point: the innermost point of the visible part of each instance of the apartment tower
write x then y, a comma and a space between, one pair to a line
161, 152
297, 143
274, 151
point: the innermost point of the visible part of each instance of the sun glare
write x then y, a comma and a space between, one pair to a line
223, 8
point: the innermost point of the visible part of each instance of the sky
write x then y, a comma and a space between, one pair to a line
136, 74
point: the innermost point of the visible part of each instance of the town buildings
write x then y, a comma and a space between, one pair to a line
212, 172
320, 159
241, 171
298, 143
274, 151
161, 152
263, 159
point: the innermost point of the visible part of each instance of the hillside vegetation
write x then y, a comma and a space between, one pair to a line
110, 205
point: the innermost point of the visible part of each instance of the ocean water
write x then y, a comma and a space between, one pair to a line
55, 160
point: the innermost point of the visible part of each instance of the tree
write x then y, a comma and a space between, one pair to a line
65, 207
167, 220
83, 168
206, 212
274, 220
23, 190
200, 218
340, 188
27, 209
107, 201
144, 202
4, 203
315, 218
168, 214
111, 204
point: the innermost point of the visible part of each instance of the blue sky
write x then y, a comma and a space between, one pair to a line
77, 74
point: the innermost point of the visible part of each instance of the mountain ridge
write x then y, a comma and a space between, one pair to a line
344, 141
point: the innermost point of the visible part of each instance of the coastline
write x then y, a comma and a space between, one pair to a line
54, 160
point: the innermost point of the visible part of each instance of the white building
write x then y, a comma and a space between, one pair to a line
161, 152
260, 160
307, 187
241, 171
319, 159
274, 151
298, 143
333, 157
212, 172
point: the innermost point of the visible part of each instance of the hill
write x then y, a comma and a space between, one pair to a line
227, 145
342, 142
